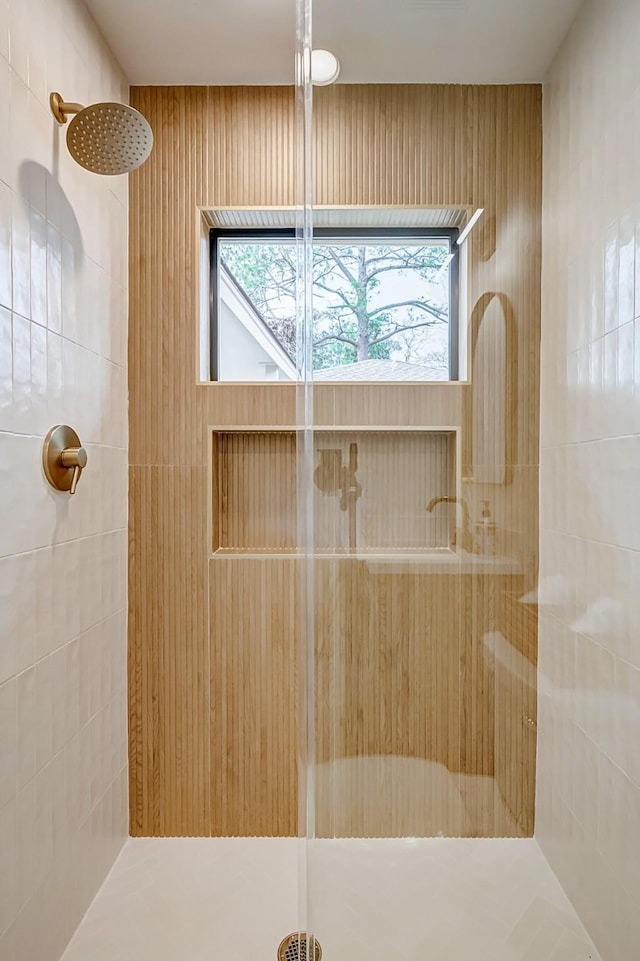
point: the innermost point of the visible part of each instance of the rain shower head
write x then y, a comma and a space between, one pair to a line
105, 138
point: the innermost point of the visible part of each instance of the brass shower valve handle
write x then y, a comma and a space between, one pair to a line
63, 458
76, 458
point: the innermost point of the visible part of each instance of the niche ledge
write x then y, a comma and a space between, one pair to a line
371, 490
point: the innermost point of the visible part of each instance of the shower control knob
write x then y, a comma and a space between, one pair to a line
76, 458
63, 458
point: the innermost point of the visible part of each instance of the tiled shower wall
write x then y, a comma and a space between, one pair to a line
63, 328
588, 807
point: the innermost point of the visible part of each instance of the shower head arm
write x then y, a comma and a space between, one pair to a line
61, 110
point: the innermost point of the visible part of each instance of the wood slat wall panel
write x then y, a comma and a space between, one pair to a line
256, 491
389, 700
168, 704
254, 782
478, 146
399, 474
405, 704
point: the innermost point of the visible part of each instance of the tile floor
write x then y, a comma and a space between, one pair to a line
235, 899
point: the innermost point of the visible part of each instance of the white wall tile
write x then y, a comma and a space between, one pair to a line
9, 861
5, 240
26, 841
9, 754
26, 714
44, 712
588, 791
56, 360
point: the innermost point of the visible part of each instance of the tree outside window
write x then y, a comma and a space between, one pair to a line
373, 301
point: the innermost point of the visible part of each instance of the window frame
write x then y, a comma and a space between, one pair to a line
340, 234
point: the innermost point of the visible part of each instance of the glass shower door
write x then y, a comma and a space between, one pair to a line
418, 471
299, 945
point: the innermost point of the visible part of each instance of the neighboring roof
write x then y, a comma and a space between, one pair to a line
379, 370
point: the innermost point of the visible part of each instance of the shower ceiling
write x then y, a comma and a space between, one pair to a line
384, 41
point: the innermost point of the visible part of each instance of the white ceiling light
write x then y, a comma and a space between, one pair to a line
325, 68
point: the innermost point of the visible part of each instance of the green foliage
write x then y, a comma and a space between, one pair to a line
369, 301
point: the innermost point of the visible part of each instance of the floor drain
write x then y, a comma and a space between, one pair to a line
294, 947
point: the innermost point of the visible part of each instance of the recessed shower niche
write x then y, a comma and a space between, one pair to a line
372, 488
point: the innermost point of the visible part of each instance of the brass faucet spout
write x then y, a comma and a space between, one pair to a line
461, 533
444, 499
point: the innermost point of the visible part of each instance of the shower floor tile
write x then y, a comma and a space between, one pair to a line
411, 900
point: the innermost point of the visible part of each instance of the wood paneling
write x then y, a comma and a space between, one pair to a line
405, 702
253, 695
399, 473
255, 491
207, 754
168, 673
401, 744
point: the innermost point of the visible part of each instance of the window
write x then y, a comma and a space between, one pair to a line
384, 305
